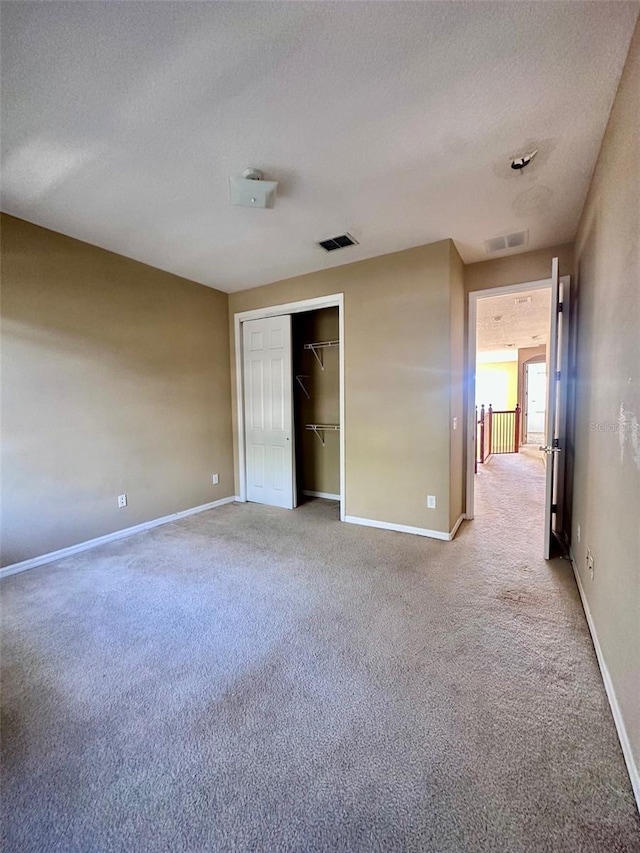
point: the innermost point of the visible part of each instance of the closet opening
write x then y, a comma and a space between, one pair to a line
316, 344
290, 403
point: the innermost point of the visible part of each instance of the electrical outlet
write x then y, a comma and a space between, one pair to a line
431, 501
215, 479
122, 501
455, 423
590, 563
578, 533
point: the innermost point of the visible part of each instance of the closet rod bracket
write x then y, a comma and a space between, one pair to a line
317, 347
302, 385
320, 430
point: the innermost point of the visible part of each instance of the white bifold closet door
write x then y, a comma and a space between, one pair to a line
268, 413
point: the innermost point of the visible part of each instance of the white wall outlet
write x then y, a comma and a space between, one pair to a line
590, 563
578, 533
122, 501
455, 423
431, 501
215, 479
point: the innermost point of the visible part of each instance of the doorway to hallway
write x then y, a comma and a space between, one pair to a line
509, 328
512, 334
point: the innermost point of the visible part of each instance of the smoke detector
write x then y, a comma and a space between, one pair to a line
251, 190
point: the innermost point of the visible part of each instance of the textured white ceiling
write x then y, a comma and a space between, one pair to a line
503, 321
393, 121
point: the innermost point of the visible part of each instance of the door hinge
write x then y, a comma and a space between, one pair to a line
554, 507
555, 442
560, 309
558, 372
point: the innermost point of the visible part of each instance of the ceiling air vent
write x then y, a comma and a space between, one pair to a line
509, 241
340, 242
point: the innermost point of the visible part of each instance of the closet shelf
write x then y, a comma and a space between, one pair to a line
317, 347
320, 429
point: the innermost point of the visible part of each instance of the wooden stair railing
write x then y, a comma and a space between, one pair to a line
498, 432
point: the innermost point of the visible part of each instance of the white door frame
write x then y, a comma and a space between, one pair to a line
474, 296
334, 300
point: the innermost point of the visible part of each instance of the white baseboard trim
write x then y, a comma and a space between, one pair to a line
455, 527
610, 691
109, 537
326, 495
405, 528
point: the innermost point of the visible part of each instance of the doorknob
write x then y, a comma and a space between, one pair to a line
549, 449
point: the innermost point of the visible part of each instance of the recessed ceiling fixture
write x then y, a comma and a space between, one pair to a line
522, 162
251, 190
496, 318
509, 345
340, 242
522, 300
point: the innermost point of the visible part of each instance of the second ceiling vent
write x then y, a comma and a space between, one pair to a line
508, 241
340, 242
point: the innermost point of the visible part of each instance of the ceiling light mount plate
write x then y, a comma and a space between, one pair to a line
253, 175
251, 190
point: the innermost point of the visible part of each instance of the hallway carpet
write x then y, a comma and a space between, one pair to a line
252, 679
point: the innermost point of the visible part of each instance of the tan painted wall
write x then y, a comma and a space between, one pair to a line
318, 466
115, 379
606, 501
515, 269
397, 363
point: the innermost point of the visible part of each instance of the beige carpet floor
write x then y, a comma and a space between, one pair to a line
252, 679
533, 451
